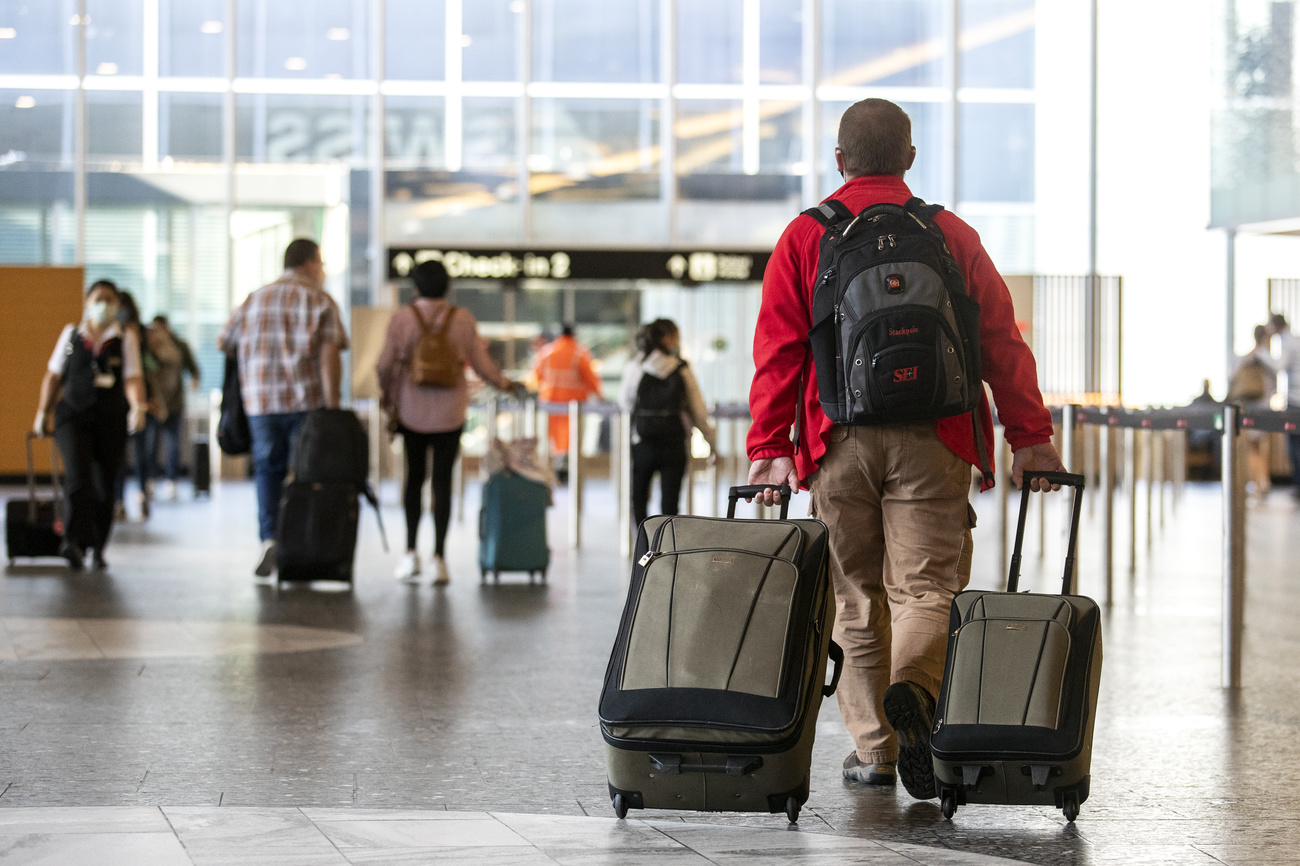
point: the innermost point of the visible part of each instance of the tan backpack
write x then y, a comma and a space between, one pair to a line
435, 362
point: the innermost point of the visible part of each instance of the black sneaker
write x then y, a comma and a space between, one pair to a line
97, 562
869, 774
910, 709
73, 554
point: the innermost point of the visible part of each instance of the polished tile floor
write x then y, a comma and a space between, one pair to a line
175, 711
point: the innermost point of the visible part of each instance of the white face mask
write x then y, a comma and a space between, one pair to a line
100, 312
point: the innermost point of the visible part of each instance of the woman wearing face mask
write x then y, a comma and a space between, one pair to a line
661, 393
96, 376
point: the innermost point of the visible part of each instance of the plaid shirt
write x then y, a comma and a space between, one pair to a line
278, 332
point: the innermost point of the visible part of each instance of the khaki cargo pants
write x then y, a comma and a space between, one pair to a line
895, 499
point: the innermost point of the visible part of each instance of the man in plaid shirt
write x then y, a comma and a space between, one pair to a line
288, 336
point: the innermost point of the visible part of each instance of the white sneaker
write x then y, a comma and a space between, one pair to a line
266, 565
168, 491
441, 577
408, 570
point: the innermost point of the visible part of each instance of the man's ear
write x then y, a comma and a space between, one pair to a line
911, 158
839, 160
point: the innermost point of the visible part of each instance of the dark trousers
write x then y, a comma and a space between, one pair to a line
170, 433
143, 466
445, 448
668, 458
93, 448
272, 439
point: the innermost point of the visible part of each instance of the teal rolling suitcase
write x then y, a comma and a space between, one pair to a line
512, 527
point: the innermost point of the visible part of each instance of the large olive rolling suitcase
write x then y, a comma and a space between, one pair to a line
711, 696
1015, 715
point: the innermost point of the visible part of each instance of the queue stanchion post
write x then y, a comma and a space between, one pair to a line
616, 463
1130, 481
458, 482
1234, 554
1162, 439
1003, 482
575, 474
624, 487
1149, 462
214, 448
1089, 469
1106, 441
1069, 438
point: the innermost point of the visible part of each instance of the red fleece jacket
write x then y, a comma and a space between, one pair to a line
781, 354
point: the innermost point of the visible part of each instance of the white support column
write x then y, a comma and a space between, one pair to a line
524, 117
228, 120
668, 113
79, 139
953, 48
377, 246
749, 134
812, 115
453, 122
149, 125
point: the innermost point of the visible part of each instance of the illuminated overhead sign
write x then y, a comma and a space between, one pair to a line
698, 266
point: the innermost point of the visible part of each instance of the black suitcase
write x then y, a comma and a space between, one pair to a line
712, 691
1015, 716
201, 472
317, 534
34, 526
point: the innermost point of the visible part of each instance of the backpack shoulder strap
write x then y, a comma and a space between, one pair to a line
446, 320
829, 212
415, 309
919, 207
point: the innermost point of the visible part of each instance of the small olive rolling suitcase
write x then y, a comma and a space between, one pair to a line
711, 696
1015, 715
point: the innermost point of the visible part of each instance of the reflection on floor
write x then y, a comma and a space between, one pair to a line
180, 836
176, 682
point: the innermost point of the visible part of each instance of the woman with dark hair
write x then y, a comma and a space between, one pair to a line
660, 391
128, 319
97, 379
422, 376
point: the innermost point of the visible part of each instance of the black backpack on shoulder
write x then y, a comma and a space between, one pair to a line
657, 415
895, 335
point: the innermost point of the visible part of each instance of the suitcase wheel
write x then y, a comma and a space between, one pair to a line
792, 810
620, 806
948, 802
1071, 807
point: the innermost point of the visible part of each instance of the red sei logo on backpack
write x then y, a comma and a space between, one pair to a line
905, 374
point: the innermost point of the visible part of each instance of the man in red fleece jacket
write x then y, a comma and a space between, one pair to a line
895, 497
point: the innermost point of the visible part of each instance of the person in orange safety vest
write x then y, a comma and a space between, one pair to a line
563, 371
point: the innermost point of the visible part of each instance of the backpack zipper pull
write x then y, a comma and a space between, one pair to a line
880, 242
650, 556
892, 241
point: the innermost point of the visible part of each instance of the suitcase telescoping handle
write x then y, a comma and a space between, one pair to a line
54, 479
1065, 479
749, 491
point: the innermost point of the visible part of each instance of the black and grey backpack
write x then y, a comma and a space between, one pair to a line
895, 335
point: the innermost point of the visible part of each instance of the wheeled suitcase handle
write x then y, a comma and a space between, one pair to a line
1065, 479
837, 658
737, 765
749, 491
55, 482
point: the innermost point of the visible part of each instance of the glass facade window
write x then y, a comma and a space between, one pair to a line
194, 40
414, 134
997, 153
997, 43
415, 40
897, 43
490, 34
36, 126
114, 126
596, 41
303, 38
190, 126
711, 42
780, 53
115, 37
310, 129
491, 133
38, 38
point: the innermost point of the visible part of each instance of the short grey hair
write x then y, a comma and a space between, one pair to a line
875, 137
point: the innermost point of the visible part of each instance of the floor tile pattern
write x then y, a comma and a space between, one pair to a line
481, 700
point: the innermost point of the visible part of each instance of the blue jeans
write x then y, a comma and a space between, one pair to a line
272, 438
170, 432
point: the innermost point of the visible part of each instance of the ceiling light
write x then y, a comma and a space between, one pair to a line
106, 68
76, 19
338, 34
8, 33
295, 64
212, 28
466, 40
517, 6
25, 102
333, 76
